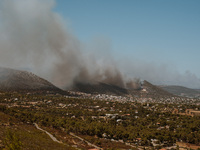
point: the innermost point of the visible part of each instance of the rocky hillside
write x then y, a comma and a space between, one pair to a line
16, 80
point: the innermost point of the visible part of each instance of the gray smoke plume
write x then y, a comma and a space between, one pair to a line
33, 36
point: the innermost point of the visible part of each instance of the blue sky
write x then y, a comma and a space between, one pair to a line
158, 31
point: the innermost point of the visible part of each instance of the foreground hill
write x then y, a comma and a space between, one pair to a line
182, 91
14, 132
16, 80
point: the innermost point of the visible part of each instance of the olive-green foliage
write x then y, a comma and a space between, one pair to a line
12, 141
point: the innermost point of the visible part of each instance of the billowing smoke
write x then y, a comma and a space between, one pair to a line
134, 84
33, 36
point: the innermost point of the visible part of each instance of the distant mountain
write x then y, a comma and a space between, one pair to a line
197, 90
182, 91
16, 80
100, 88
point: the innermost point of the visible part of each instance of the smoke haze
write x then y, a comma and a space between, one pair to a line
34, 37
160, 74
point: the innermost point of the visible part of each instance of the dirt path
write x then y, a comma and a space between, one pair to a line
50, 135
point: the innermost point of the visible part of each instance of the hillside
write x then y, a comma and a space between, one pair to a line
149, 90
182, 91
16, 80
100, 88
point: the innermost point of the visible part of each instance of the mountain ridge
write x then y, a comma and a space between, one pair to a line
181, 90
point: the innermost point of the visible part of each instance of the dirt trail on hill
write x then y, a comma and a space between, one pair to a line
50, 135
